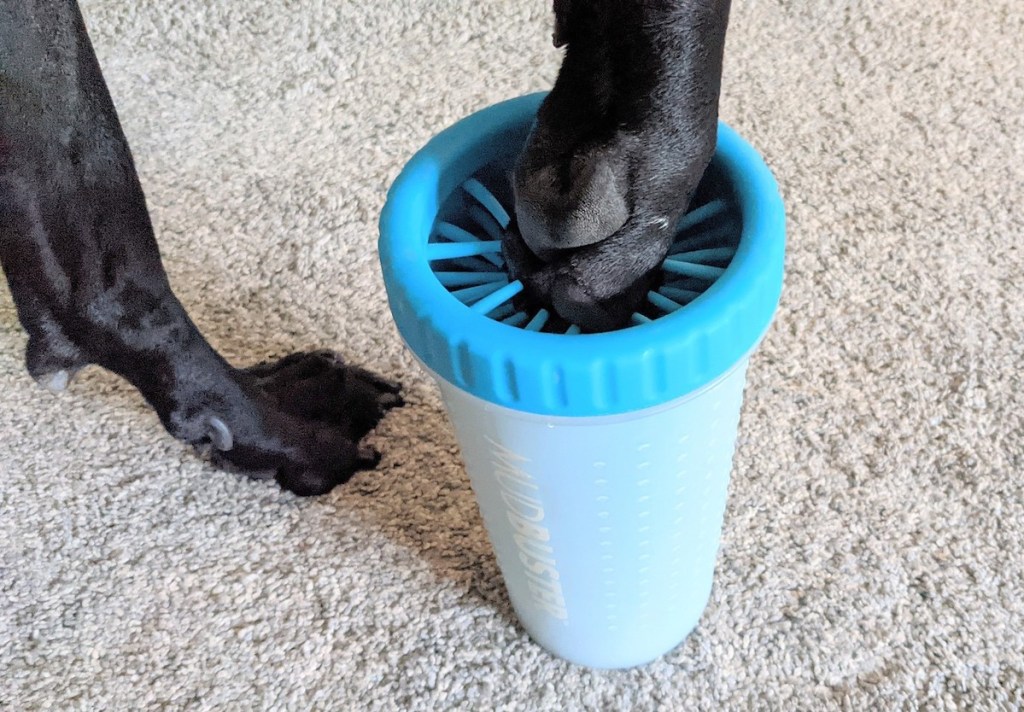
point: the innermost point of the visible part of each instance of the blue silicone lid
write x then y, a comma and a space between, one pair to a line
455, 307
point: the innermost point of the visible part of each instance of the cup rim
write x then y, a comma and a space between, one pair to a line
493, 360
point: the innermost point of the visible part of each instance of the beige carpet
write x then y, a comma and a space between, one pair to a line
870, 559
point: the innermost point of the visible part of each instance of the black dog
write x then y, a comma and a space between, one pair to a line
618, 149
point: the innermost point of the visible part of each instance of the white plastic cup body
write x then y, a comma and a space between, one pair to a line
606, 528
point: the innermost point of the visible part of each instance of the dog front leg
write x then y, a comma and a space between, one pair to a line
80, 257
618, 149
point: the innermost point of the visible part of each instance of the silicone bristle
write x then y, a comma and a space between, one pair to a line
486, 222
486, 198
538, 321
468, 279
452, 250
663, 302
471, 295
680, 296
706, 238
689, 283
689, 269
501, 296
502, 312
455, 233
517, 319
712, 254
699, 215
477, 264
705, 243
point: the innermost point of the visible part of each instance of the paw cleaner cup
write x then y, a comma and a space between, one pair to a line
600, 462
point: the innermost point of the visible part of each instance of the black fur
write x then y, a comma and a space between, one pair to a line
83, 266
617, 151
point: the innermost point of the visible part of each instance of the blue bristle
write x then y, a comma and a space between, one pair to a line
680, 296
486, 222
486, 198
691, 267
663, 302
502, 311
499, 297
538, 321
699, 215
451, 250
712, 254
453, 232
517, 319
468, 279
471, 295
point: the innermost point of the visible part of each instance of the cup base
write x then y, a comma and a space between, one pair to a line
608, 651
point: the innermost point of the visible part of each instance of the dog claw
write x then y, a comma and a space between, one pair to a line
56, 382
369, 457
384, 385
220, 434
391, 400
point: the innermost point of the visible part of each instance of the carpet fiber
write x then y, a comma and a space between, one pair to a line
870, 554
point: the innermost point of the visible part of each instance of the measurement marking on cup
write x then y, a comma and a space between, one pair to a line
526, 515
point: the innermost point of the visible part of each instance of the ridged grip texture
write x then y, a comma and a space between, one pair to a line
576, 374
